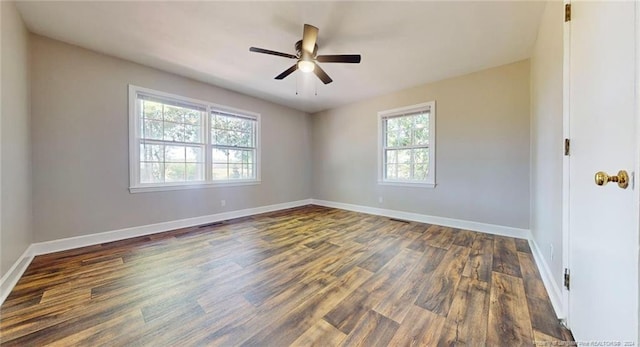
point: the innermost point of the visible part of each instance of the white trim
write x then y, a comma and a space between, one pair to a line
134, 150
563, 310
406, 109
197, 102
423, 218
121, 234
430, 181
199, 185
9, 280
11, 277
634, 175
552, 287
407, 184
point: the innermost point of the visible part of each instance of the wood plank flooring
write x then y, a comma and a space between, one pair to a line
310, 276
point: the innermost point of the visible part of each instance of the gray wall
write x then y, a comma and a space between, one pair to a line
482, 150
546, 137
80, 146
15, 141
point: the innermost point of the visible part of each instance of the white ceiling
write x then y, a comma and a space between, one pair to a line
402, 44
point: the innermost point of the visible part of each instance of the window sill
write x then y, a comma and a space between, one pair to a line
407, 184
202, 185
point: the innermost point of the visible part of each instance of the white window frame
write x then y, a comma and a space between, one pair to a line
134, 144
430, 181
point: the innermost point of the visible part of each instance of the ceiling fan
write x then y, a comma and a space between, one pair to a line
307, 58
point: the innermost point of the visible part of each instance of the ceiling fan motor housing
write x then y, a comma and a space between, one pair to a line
301, 53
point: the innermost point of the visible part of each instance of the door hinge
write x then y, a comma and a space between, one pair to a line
563, 322
567, 12
567, 278
567, 146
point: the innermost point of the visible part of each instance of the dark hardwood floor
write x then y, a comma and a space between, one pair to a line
310, 276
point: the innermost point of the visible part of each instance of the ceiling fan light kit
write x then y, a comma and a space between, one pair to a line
307, 58
306, 65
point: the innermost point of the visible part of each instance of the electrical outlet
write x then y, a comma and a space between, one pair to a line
223, 203
380, 199
551, 250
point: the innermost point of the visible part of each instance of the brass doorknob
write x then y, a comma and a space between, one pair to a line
622, 179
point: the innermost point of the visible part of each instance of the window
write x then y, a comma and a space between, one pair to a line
233, 146
178, 143
407, 145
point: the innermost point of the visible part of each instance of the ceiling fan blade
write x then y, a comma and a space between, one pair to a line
266, 51
344, 58
309, 37
322, 75
287, 72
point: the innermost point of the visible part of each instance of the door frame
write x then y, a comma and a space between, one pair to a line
566, 112
634, 185
566, 133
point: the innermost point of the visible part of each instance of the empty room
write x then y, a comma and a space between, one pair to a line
330, 173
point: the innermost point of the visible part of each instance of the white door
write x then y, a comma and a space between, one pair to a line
603, 222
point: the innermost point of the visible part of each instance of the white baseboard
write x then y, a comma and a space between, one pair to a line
11, 277
121, 234
423, 218
553, 289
